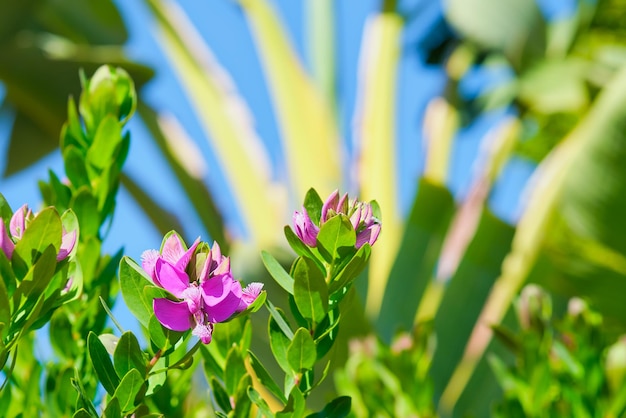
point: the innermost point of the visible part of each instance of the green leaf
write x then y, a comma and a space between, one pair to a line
85, 205
310, 291
156, 381
83, 402
296, 405
351, 271
61, 337
301, 352
233, 372
313, 205
337, 408
74, 160
5, 310
102, 364
133, 280
82, 413
277, 272
128, 389
221, 397
162, 337
242, 401
5, 210
336, 238
279, 319
279, 343
38, 277
301, 248
264, 377
416, 259
112, 409
45, 230
128, 355
256, 399
7, 274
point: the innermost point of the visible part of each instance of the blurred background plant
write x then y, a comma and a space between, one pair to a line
530, 81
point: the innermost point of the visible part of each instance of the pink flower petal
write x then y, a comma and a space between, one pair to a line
170, 278
67, 245
6, 244
183, 261
148, 262
330, 203
172, 249
222, 296
249, 295
304, 228
204, 332
173, 315
18, 221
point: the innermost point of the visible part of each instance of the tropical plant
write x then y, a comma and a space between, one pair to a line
560, 91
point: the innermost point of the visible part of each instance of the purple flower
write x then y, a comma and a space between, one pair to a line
210, 296
18, 225
6, 244
306, 230
365, 224
367, 227
173, 252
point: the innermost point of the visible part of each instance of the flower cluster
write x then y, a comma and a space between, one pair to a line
202, 282
19, 222
365, 224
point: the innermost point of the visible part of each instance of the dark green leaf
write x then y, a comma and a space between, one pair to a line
279, 319
265, 378
256, 399
5, 310
313, 205
102, 364
352, 270
221, 397
279, 343
112, 409
233, 372
295, 407
83, 401
128, 389
46, 229
336, 238
75, 167
128, 355
337, 408
85, 206
310, 291
301, 352
242, 401
300, 248
133, 280
277, 272
162, 337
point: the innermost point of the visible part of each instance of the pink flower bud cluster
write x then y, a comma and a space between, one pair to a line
365, 224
